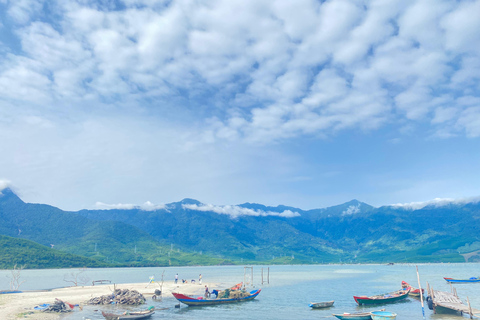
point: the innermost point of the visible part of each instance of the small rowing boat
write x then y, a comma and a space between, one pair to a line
383, 315
318, 305
414, 292
353, 316
129, 315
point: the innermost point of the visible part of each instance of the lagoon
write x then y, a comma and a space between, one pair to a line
291, 288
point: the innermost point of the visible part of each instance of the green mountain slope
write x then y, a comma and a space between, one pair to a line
113, 242
350, 232
20, 252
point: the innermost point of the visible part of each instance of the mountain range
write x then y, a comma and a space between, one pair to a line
192, 233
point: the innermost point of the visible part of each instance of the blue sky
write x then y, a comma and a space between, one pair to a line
301, 103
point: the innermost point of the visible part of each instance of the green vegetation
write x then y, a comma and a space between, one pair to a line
35, 256
78, 241
179, 236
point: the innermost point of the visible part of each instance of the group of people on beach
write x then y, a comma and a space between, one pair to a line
186, 281
207, 292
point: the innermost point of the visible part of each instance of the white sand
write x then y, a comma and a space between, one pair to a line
20, 305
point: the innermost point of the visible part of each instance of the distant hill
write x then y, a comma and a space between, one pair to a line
31, 255
189, 232
112, 242
350, 232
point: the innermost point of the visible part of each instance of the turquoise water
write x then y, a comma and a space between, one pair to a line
288, 294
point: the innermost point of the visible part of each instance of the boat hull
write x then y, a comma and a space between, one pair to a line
383, 315
414, 292
210, 302
379, 299
354, 316
319, 305
462, 280
132, 316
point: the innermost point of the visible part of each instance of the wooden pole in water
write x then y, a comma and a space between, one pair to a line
432, 295
252, 276
421, 293
268, 275
244, 276
470, 309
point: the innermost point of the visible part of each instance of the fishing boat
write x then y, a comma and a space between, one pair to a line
472, 279
383, 298
383, 315
129, 315
414, 292
200, 301
318, 305
355, 316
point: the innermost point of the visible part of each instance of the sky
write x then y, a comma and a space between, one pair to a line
301, 103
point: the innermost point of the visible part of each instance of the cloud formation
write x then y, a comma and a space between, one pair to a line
351, 210
438, 202
236, 211
147, 206
273, 70
4, 184
128, 100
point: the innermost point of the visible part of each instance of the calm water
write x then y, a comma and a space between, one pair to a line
288, 294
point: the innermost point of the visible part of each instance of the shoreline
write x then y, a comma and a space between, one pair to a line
21, 305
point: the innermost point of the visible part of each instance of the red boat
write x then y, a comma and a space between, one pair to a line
414, 292
383, 298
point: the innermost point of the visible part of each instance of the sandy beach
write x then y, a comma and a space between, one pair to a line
21, 305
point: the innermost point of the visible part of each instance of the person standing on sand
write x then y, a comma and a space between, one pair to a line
176, 278
200, 278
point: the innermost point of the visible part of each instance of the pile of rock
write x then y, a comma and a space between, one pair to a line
125, 296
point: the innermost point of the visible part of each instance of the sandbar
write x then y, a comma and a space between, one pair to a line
21, 305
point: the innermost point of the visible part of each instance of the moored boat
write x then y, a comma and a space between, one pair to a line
318, 305
200, 301
383, 298
383, 315
129, 315
472, 279
355, 315
414, 292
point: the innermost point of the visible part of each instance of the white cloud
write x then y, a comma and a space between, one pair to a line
437, 202
4, 184
291, 70
171, 91
236, 211
147, 206
470, 120
351, 210
461, 27
21, 11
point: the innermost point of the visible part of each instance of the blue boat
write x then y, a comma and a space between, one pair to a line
383, 315
472, 279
